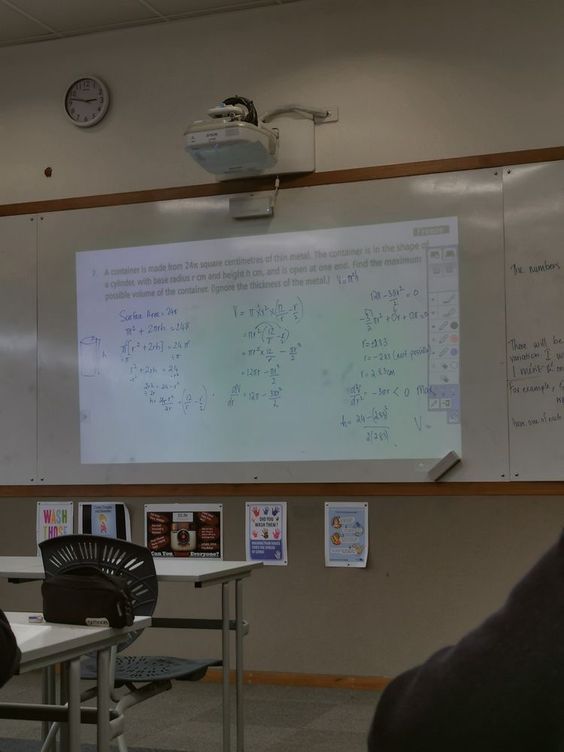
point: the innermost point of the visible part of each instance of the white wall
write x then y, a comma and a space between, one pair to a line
437, 567
413, 81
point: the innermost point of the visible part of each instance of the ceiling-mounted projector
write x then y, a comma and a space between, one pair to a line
232, 142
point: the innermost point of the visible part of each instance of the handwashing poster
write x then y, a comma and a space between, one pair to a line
184, 531
54, 518
346, 534
266, 532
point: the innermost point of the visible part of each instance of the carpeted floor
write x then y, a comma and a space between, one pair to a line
188, 718
28, 745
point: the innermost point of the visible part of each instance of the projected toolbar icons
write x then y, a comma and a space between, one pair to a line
444, 332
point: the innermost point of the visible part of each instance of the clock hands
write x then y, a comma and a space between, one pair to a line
86, 100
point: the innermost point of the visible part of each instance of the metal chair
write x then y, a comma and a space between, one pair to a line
143, 676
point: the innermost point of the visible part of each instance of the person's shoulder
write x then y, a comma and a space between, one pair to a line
10, 654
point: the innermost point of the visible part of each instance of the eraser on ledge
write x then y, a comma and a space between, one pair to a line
443, 466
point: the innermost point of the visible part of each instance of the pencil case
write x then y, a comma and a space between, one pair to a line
91, 598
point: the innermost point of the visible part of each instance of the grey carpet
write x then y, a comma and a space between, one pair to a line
189, 718
31, 745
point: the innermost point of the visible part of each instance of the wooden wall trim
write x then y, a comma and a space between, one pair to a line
287, 679
380, 172
284, 490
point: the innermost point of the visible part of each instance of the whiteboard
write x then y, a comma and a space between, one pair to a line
474, 198
534, 241
329, 344
18, 350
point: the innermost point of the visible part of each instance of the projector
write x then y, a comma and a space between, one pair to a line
230, 147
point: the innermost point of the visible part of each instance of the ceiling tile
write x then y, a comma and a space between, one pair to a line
14, 26
179, 8
77, 15
50, 19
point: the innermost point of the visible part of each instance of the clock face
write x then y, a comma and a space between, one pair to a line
87, 101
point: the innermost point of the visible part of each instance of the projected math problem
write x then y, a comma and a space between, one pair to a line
321, 345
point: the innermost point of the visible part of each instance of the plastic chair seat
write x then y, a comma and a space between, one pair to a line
145, 668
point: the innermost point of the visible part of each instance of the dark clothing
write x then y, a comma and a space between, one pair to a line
500, 689
9, 651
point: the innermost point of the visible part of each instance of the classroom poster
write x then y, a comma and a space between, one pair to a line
266, 532
104, 518
184, 530
346, 534
54, 518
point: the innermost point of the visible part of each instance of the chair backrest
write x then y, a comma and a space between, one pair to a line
66, 553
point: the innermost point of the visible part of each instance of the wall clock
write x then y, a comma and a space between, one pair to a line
87, 100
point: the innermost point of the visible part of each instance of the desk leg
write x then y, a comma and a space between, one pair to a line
48, 689
64, 745
239, 665
103, 681
74, 704
225, 659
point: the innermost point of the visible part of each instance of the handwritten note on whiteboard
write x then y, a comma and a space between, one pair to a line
535, 320
535, 355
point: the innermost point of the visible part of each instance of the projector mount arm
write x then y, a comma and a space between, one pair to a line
243, 109
319, 115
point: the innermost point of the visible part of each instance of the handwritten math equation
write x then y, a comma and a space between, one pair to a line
269, 334
153, 346
388, 382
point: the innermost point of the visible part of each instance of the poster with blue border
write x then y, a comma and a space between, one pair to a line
266, 536
346, 534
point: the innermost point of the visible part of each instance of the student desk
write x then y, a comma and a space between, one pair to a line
201, 573
45, 644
